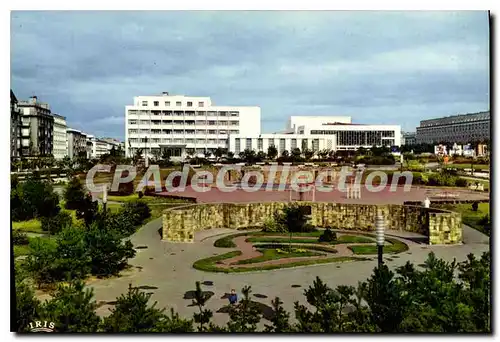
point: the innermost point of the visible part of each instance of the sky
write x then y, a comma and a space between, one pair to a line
377, 67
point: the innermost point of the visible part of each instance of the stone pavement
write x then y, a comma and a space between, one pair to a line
165, 270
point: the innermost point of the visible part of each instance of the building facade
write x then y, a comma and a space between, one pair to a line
463, 128
76, 143
15, 127
408, 138
60, 146
184, 125
37, 128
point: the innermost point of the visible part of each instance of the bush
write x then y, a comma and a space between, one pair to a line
55, 224
328, 236
19, 237
475, 206
461, 182
271, 226
225, 242
33, 198
137, 211
293, 218
74, 194
119, 222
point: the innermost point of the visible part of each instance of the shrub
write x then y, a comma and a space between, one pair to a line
475, 206
55, 224
137, 211
293, 218
74, 194
328, 236
271, 226
225, 242
33, 198
461, 182
140, 194
19, 237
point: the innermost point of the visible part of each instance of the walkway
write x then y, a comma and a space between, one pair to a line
166, 269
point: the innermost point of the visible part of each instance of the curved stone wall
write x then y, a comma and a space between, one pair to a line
441, 226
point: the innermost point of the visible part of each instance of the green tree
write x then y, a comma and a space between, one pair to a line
308, 153
27, 306
74, 194
72, 260
245, 315
296, 154
33, 198
280, 320
200, 300
106, 251
132, 314
72, 309
272, 152
55, 224
293, 218
219, 152
40, 263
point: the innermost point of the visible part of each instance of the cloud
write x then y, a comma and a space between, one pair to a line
391, 67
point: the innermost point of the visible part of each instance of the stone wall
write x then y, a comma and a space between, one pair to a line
441, 226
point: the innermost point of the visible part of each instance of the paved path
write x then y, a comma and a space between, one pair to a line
168, 266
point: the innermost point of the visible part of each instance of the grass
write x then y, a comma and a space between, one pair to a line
477, 167
322, 248
395, 247
20, 250
208, 264
273, 254
33, 225
470, 217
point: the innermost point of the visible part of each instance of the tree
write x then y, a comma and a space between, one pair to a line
72, 309
248, 156
107, 253
272, 152
33, 198
219, 152
132, 314
40, 263
285, 154
137, 156
296, 154
293, 218
280, 320
245, 315
55, 224
74, 194
72, 260
323, 154
200, 299
261, 155
88, 210
27, 306
308, 154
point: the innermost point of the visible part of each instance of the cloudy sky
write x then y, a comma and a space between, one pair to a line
378, 67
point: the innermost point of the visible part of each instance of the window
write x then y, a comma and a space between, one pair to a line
144, 103
132, 122
190, 104
178, 103
260, 144
200, 104
132, 131
167, 103
156, 103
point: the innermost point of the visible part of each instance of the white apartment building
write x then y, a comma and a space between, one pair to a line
102, 146
60, 149
76, 143
185, 125
318, 133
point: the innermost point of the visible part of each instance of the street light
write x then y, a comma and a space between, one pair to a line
380, 232
104, 198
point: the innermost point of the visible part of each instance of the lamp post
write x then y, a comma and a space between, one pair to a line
104, 199
380, 232
146, 151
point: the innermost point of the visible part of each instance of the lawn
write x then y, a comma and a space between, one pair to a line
477, 167
20, 250
273, 254
33, 225
470, 217
286, 238
396, 246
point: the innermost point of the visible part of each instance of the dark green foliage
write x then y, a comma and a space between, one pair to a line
281, 318
328, 236
225, 242
272, 152
118, 222
33, 198
55, 224
19, 237
106, 251
72, 309
71, 254
293, 218
27, 306
137, 211
475, 206
40, 263
140, 194
200, 300
88, 210
74, 194
132, 314
245, 315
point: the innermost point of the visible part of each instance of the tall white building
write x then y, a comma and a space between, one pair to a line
60, 149
184, 125
319, 133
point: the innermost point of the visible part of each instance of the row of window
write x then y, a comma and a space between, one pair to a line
178, 141
183, 122
184, 113
177, 103
182, 131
